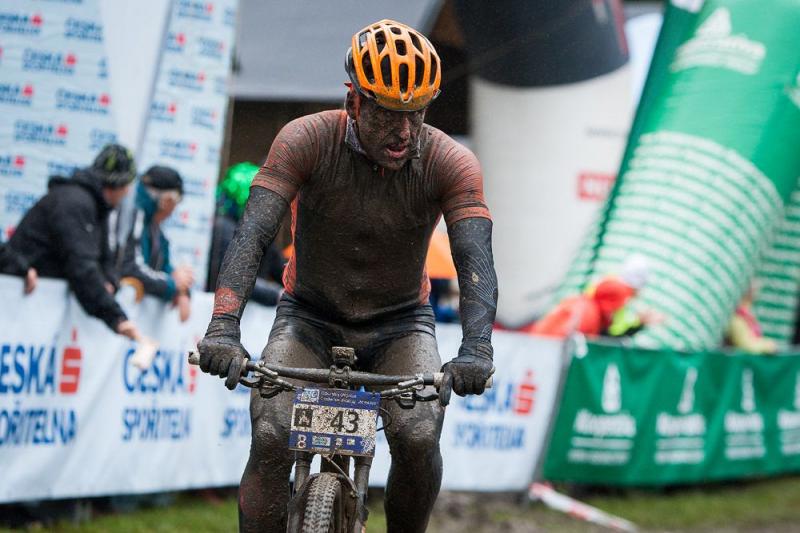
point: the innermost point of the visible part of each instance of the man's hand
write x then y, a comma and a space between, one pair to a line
221, 353
31, 279
184, 278
129, 329
467, 373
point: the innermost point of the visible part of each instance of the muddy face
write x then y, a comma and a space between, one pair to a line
388, 137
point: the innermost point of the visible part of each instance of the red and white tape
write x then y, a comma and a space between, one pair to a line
576, 509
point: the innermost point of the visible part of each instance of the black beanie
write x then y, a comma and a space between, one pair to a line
114, 166
163, 179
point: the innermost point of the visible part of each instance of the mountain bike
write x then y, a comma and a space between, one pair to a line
338, 423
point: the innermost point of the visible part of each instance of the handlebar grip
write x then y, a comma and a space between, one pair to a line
438, 377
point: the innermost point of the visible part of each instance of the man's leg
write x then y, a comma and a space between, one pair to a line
416, 472
264, 490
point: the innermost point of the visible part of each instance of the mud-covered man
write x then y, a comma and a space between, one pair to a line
366, 186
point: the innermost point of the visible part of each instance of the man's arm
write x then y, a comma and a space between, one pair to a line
11, 262
262, 218
156, 283
77, 234
469, 227
220, 350
290, 161
471, 246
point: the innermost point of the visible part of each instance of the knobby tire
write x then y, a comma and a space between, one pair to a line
322, 495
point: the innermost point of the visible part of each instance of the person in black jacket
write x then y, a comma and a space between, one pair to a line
65, 235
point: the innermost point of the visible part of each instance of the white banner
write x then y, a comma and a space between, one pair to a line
54, 98
60, 105
78, 419
187, 118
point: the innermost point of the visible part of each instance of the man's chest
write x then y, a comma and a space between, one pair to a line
354, 194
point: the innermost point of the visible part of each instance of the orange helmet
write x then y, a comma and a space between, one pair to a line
409, 71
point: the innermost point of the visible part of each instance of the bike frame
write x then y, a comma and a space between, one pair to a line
270, 380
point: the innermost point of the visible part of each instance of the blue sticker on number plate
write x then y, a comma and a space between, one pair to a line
334, 421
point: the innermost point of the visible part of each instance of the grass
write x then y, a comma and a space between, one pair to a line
769, 505
747, 505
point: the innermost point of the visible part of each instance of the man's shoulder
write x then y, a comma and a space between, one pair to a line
73, 194
322, 122
436, 139
441, 147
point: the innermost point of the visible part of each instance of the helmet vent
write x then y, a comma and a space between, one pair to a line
401, 48
434, 67
380, 40
396, 30
419, 71
403, 70
417, 44
386, 70
366, 66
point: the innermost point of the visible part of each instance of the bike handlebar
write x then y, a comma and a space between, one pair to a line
323, 375
354, 377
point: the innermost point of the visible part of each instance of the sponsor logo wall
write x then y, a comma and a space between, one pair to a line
54, 97
505, 429
643, 417
187, 118
78, 419
58, 109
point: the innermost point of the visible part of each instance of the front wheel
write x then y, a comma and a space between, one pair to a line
324, 505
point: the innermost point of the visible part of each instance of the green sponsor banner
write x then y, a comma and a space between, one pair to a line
709, 169
778, 278
635, 417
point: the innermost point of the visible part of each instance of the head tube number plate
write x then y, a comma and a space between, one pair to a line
334, 421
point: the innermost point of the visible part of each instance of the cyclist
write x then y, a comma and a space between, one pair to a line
366, 186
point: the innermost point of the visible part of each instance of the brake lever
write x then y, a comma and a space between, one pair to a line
430, 397
406, 400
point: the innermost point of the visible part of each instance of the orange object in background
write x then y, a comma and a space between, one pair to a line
611, 295
589, 313
573, 314
439, 262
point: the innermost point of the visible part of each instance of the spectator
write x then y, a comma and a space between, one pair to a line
444, 300
232, 195
744, 331
147, 257
603, 308
65, 235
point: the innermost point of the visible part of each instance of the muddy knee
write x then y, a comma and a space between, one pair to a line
416, 441
270, 440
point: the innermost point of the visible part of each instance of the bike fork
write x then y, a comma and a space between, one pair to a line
302, 469
361, 476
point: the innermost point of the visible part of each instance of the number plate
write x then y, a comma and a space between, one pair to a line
334, 421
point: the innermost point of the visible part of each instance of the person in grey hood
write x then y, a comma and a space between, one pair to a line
64, 235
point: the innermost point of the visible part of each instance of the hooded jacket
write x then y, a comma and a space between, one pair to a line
64, 235
147, 250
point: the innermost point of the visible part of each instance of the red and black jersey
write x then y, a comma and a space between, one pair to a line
361, 232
